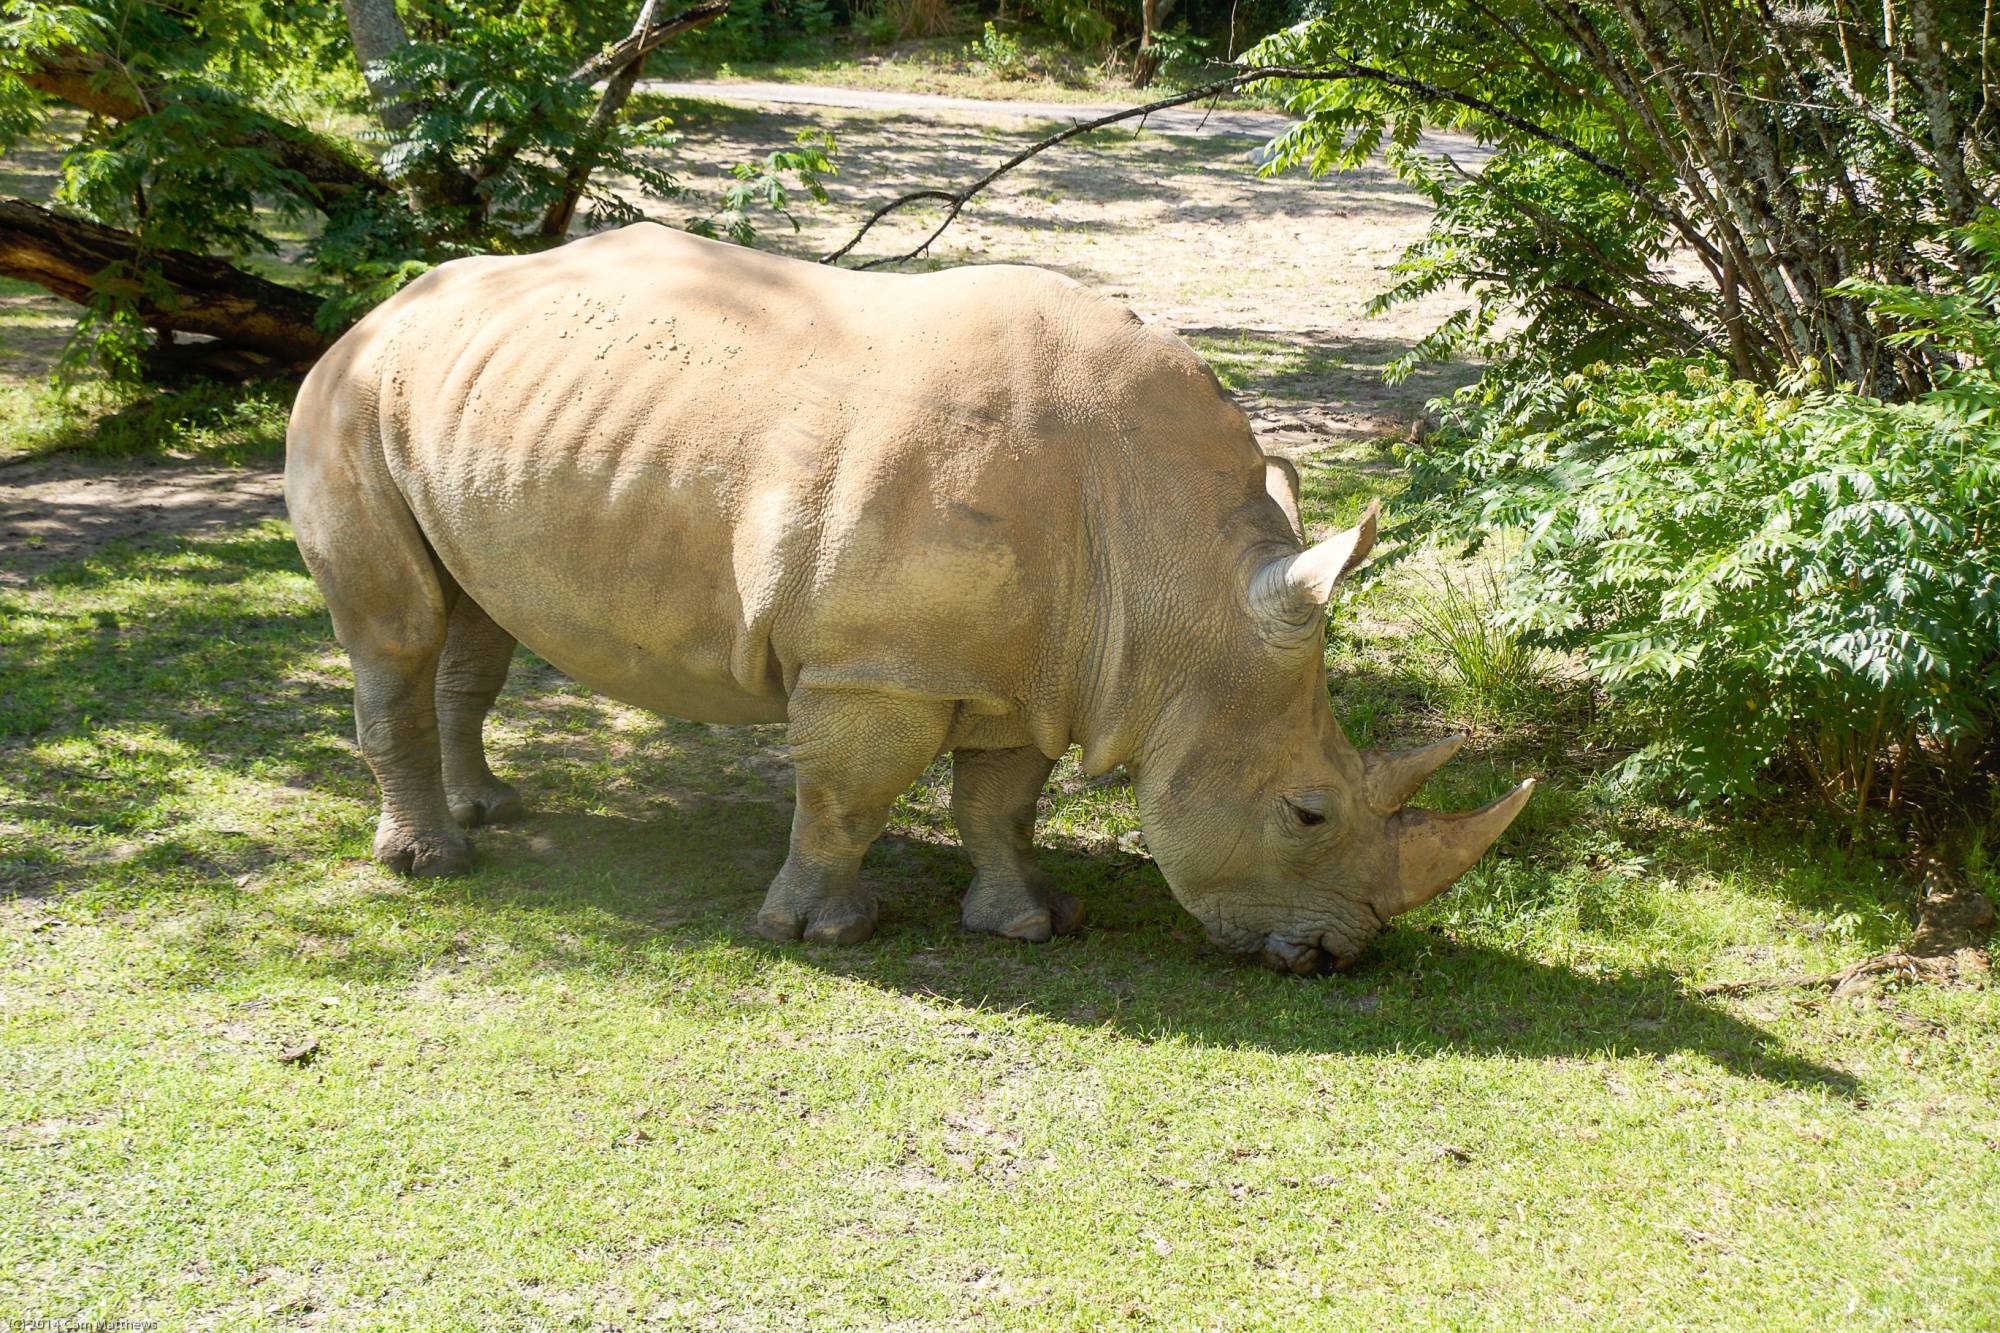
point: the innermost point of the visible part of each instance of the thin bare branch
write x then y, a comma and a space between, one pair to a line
1337, 69
639, 42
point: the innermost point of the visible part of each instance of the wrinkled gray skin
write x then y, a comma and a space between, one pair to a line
979, 510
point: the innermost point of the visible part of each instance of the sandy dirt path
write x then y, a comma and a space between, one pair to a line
60, 508
1192, 119
1266, 277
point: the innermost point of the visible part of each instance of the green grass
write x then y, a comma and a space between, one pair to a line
1487, 671
572, 1091
218, 423
687, 113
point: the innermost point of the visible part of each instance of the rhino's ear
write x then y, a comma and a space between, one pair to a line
1292, 588
1281, 480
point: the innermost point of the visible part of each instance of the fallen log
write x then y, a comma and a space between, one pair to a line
92, 82
170, 290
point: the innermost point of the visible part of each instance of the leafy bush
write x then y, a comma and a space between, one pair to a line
499, 137
1798, 580
755, 30
488, 84
1178, 50
1664, 179
1087, 25
1000, 54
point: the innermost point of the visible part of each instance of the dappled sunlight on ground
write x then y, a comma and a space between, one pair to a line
249, 1077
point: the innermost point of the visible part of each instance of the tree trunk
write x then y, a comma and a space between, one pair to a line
1146, 64
623, 63
80, 260
378, 33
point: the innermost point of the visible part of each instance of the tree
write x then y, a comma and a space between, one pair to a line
1153, 15
1668, 176
1782, 153
494, 131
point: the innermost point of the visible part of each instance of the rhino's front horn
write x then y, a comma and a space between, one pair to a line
1393, 776
1293, 588
1432, 850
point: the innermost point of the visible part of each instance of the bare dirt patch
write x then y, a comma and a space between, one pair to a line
60, 509
1268, 278
1182, 228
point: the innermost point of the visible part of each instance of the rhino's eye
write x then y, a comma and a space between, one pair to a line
1304, 813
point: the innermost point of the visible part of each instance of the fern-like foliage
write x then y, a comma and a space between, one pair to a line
1791, 581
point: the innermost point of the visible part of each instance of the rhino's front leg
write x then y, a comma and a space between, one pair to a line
853, 754
993, 795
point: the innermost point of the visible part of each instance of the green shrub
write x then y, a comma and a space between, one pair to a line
1801, 582
1000, 54
752, 30
1087, 25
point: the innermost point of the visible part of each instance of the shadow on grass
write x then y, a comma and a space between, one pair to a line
200, 420
166, 678
597, 893
138, 673
1290, 363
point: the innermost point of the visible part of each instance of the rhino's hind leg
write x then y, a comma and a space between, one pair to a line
993, 795
470, 674
396, 721
390, 604
853, 753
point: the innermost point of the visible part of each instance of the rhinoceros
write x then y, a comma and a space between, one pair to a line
979, 510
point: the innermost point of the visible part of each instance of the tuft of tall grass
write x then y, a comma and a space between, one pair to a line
1487, 668
219, 423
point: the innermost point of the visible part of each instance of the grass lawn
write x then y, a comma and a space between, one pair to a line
1036, 68
249, 1080
572, 1091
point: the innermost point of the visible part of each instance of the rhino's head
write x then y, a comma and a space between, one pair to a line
1280, 836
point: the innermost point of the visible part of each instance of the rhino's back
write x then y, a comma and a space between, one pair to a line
687, 473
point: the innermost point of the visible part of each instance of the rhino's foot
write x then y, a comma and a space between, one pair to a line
1020, 909
840, 921
421, 853
488, 802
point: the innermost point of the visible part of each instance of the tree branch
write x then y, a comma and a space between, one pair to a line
617, 89
639, 43
93, 82
1337, 69
515, 138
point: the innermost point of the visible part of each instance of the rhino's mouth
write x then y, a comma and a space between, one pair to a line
1331, 945
1331, 952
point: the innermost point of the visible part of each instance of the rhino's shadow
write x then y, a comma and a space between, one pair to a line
1141, 966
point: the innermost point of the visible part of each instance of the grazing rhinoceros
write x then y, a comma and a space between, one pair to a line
980, 510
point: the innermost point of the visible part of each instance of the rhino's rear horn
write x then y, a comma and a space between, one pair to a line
1393, 776
1292, 588
1433, 850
